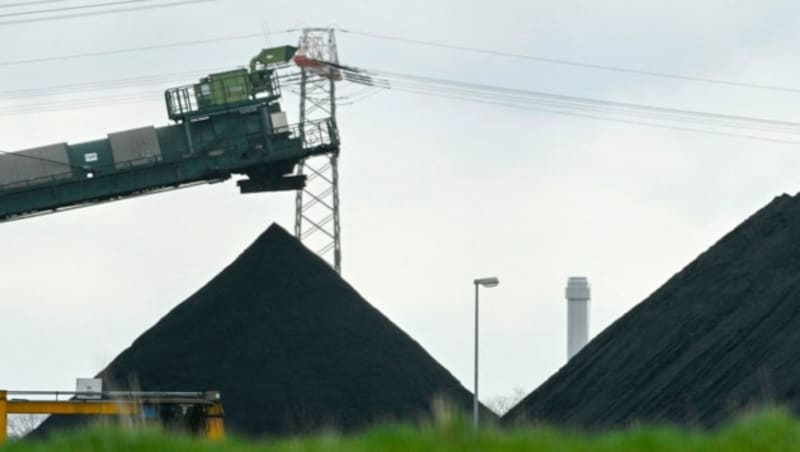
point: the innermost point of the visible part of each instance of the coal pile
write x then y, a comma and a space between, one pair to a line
721, 336
290, 345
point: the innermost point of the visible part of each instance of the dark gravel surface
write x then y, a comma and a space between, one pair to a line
721, 336
291, 346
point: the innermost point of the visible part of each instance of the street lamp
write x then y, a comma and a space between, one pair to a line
485, 282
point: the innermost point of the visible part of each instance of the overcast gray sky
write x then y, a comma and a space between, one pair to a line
435, 192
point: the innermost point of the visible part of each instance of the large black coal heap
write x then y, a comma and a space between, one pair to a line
720, 336
290, 345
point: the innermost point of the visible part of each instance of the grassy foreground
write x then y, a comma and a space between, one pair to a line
772, 430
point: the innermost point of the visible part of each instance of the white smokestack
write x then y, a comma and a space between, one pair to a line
578, 296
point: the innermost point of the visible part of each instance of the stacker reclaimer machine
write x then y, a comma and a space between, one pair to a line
227, 124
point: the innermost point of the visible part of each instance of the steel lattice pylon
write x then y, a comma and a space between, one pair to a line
317, 205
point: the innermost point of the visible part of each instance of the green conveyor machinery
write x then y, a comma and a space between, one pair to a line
227, 124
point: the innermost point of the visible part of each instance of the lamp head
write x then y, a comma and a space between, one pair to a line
487, 282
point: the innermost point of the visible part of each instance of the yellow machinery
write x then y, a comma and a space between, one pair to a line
197, 412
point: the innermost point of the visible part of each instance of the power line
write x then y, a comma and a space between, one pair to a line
500, 99
584, 100
608, 111
134, 49
146, 80
625, 121
98, 13
636, 110
476, 87
31, 3
79, 104
71, 8
628, 113
581, 64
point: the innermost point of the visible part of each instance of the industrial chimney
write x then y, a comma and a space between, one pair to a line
578, 296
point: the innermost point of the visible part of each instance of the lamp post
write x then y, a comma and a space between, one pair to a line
485, 282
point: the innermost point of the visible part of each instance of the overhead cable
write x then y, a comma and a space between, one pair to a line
605, 118
586, 100
31, 3
71, 8
147, 80
575, 63
107, 11
630, 113
49, 59
82, 103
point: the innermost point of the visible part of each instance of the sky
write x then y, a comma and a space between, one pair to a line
434, 192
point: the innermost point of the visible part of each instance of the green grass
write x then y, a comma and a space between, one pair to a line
771, 430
